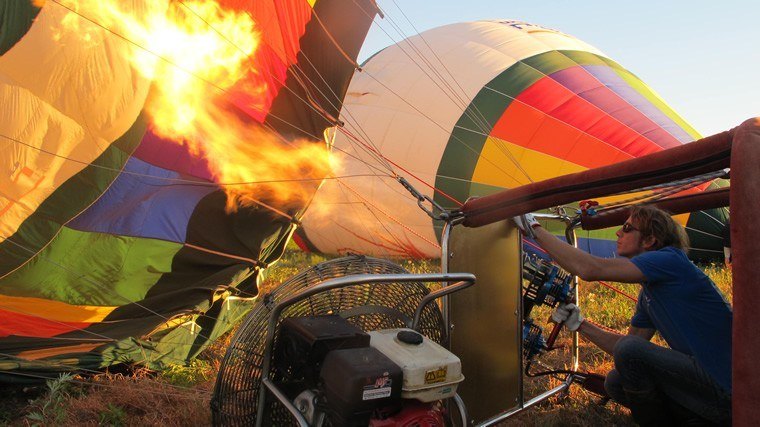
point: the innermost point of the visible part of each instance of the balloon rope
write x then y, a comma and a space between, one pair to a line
391, 217
607, 285
251, 261
470, 110
335, 43
665, 190
399, 248
700, 178
437, 77
467, 112
437, 190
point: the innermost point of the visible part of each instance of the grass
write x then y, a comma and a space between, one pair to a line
180, 395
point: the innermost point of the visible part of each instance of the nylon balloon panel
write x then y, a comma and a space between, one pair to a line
482, 106
43, 125
116, 244
405, 115
64, 202
561, 112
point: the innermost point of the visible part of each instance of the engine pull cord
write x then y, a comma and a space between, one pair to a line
435, 211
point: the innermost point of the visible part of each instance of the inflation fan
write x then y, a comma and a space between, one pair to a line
320, 354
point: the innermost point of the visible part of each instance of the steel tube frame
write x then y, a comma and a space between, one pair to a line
527, 405
571, 239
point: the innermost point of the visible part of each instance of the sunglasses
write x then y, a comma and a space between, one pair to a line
627, 228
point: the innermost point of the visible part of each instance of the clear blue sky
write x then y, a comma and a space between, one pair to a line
702, 57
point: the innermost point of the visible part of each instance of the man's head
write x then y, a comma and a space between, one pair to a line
649, 229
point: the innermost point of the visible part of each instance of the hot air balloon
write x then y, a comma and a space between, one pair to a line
116, 243
469, 109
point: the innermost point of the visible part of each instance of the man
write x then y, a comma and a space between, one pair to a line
690, 382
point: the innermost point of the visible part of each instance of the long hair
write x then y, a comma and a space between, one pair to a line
659, 224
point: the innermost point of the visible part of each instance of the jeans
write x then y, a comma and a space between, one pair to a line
662, 386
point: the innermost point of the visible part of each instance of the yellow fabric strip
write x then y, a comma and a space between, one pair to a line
57, 351
55, 310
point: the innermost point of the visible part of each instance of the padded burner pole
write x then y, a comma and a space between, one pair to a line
703, 156
708, 199
745, 235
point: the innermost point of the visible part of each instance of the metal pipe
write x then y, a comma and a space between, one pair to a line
573, 240
284, 400
445, 305
519, 318
532, 402
437, 294
462, 409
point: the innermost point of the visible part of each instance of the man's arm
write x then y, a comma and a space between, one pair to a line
587, 266
606, 339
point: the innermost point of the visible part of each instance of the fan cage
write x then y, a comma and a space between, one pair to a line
367, 306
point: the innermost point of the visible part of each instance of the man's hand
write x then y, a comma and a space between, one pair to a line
525, 223
570, 314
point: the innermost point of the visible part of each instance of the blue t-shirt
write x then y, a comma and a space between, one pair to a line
683, 304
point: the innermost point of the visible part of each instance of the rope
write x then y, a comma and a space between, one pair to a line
450, 92
180, 181
432, 187
392, 218
699, 178
666, 190
607, 285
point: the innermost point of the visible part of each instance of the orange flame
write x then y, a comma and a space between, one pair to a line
194, 51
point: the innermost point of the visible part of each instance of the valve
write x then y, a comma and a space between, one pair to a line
533, 340
547, 284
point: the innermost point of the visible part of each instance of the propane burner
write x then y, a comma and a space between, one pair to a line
533, 339
547, 284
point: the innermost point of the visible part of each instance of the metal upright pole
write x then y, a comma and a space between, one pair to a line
445, 236
573, 240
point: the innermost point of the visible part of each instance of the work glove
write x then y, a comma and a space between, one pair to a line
569, 314
526, 223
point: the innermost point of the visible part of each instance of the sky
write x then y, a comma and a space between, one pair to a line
702, 57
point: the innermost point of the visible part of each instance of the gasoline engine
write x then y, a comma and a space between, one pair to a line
336, 374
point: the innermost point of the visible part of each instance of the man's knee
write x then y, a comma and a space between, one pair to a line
628, 348
613, 385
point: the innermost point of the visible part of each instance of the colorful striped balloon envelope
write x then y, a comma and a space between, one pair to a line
470, 109
118, 244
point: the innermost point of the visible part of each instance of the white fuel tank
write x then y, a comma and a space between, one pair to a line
430, 372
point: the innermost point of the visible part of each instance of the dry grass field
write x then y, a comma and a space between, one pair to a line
180, 396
